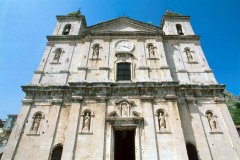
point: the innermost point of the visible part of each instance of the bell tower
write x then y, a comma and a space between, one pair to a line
176, 24
72, 24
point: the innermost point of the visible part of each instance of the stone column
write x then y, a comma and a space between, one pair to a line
150, 150
201, 141
72, 128
15, 137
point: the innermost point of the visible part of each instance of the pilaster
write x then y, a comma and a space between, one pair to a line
16, 134
150, 150
72, 128
198, 129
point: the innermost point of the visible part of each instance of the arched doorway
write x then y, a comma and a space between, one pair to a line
57, 152
192, 152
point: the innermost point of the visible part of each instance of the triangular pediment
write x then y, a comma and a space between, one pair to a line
123, 24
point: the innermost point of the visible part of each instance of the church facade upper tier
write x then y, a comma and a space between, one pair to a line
123, 49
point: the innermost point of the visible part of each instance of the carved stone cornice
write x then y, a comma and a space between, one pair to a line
181, 38
144, 90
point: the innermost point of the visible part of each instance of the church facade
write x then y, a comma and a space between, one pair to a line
123, 89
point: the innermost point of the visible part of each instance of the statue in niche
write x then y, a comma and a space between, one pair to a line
86, 122
95, 52
57, 56
151, 51
124, 107
161, 121
36, 123
212, 122
189, 55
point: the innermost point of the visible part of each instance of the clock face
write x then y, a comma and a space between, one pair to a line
124, 46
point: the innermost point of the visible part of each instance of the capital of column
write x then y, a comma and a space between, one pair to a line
101, 98
190, 99
27, 101
56, 101
147, 98
76, 98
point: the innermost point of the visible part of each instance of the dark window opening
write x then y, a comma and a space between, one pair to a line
57, 153
192, 152
124, 145
66, 29
123, 71
179, 29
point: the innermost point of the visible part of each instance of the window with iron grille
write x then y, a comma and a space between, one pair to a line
123, 71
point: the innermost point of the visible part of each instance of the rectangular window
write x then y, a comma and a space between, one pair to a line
123, 71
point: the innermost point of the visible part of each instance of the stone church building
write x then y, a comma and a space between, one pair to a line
123, 90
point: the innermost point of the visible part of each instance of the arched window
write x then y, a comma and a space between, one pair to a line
57, 152
123, 71
66, 29
36, 122
192, 152
179, 29
57, 55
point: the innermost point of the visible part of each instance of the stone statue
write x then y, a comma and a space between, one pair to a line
189, 55
86, 123
96, 52
36, 123
162, 121
124, 110
57, 56
212, 122
151, 51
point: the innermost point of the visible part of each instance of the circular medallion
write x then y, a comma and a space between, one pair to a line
124, 46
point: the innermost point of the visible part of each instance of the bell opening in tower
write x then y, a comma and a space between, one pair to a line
124, 145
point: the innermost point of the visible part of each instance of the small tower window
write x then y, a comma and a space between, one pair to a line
57, 55
66, 29
179, 29
123, 71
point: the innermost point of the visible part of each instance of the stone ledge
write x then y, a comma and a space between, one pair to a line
164, 132
216, 132
82, 68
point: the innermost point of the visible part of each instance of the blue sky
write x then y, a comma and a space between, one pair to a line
25, 24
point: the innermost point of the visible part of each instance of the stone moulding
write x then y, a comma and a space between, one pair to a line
126, 121
144, 90
181, 38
